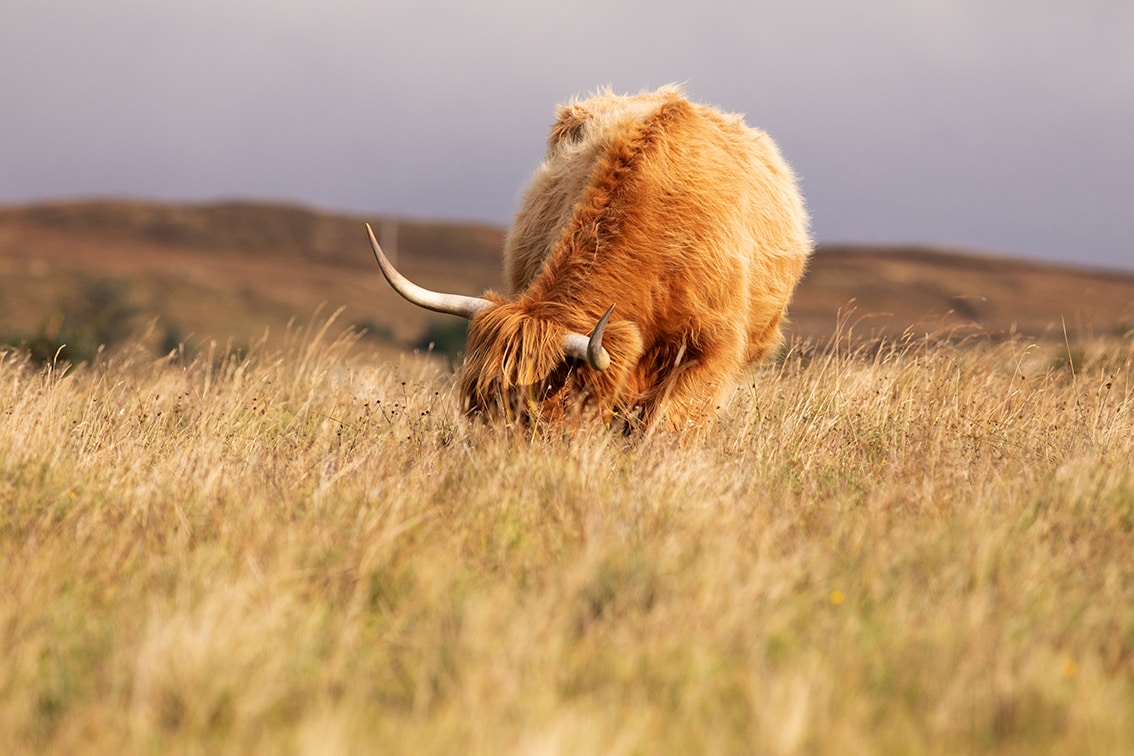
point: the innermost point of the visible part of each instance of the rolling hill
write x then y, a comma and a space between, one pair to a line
232, 271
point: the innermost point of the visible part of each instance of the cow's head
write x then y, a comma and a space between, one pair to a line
517, 366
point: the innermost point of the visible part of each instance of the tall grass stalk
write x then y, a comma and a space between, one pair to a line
911, 547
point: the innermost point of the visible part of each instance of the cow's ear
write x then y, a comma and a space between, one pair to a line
569, 123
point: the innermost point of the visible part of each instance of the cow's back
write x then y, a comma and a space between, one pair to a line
687, 217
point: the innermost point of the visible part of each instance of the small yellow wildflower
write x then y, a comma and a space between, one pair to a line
837, 597
1070, 667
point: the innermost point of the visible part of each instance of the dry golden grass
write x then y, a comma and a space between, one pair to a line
920, 547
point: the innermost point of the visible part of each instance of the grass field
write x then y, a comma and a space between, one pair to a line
915, 547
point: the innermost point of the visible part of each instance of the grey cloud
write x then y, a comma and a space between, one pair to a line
995, 125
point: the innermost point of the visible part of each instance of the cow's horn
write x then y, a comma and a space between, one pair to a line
589, 348
450, 304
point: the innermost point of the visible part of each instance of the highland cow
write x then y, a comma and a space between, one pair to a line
671, 233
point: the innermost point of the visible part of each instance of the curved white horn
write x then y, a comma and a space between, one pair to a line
450, 304
589, 348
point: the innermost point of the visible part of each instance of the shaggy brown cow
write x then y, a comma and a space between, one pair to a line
684, 219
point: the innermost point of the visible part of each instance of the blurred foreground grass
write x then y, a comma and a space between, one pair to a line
913, 547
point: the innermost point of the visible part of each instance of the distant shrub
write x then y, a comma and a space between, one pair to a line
99, 315
445, 337
377, 331
173, 339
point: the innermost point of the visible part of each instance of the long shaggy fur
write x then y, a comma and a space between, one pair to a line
685, 219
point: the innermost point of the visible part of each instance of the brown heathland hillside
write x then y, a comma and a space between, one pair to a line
231, 271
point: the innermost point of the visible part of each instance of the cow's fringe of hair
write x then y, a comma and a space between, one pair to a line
517, 362
521, 350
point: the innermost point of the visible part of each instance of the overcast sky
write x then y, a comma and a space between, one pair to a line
999, 125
